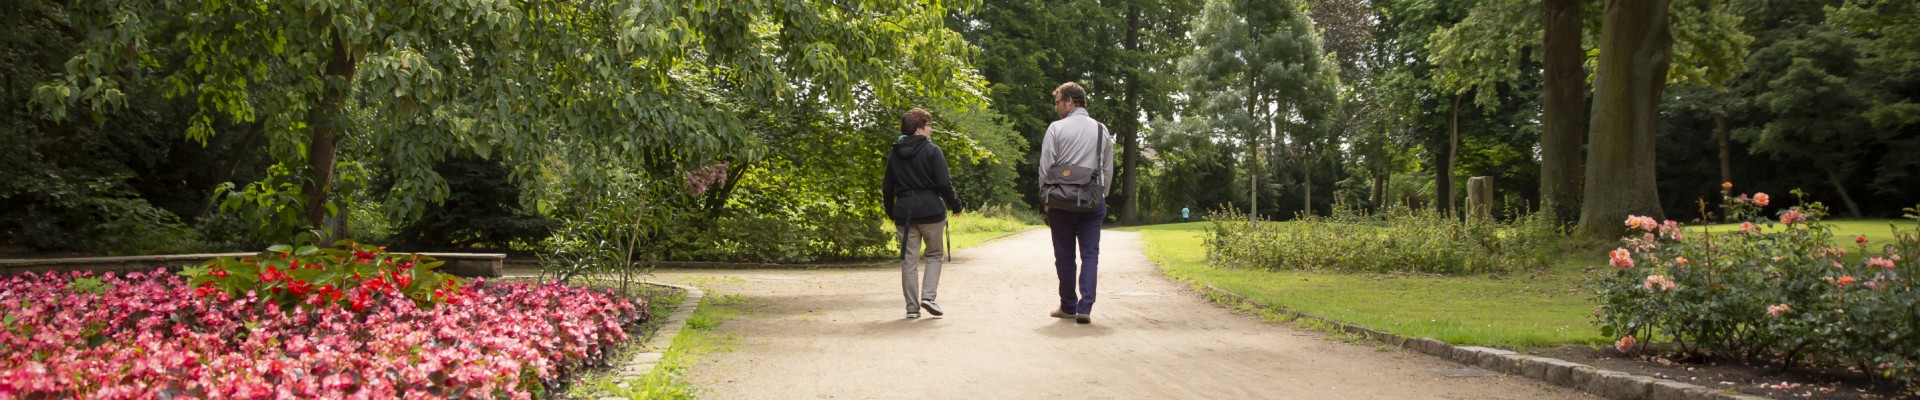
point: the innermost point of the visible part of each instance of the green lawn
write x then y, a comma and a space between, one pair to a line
1524, 310
973, 229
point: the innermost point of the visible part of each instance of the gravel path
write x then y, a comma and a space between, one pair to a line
839, 334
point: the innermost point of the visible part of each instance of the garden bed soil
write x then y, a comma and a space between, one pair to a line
1763, 379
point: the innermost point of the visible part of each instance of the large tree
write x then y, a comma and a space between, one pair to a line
1259, 74
500, 77
1123, 51
1629, 78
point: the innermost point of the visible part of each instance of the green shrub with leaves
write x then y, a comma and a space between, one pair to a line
348, 274
1399, 240
1787, 295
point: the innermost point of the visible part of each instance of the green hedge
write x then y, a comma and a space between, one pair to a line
1399, 240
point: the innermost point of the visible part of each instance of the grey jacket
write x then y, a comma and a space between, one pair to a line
1077, 140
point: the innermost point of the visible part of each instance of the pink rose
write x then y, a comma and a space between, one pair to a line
1760, 199
1625, 344
1621, 258
1880, 262
1777, 309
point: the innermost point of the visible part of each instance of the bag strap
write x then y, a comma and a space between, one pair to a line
1106, 153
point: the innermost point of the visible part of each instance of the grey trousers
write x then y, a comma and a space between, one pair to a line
912, 255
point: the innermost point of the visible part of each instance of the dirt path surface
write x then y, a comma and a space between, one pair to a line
839, 334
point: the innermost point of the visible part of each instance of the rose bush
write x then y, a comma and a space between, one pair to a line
1787, 295
155, 335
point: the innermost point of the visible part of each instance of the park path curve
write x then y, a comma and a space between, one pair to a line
839, 334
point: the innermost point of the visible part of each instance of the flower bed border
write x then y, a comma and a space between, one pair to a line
465, 265
640, 364
1582, 377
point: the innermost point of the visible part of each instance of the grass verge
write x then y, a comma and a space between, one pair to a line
1542, 308
668, 378
977, 227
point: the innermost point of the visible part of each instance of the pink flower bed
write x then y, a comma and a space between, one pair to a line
147, 335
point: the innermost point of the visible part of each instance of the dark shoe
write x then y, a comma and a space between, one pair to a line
931, 308
913, 314
1059, 313
1083, 319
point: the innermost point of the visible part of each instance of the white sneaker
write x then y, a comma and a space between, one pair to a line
931, 308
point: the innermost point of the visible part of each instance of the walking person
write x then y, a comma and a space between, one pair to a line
916, 194
1076, 170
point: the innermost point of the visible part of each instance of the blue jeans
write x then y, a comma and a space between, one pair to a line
1081, 230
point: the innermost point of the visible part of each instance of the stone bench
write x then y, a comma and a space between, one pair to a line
466, 265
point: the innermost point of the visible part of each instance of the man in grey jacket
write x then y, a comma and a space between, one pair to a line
1079, 140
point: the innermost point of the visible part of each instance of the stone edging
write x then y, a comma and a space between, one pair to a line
1582, 377
641, 364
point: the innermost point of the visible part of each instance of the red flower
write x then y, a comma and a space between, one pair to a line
1862, 239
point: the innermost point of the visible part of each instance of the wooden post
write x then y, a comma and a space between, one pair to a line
1480, 197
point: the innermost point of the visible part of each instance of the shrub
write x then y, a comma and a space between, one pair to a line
351, 274
1784, 294
1401, 240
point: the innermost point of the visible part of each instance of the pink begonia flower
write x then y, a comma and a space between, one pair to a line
1880, 262
1625, 344
1761, 199
1621, 258
1777, 309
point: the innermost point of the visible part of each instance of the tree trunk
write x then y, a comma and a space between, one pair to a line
328, 121
1635, 48
1379, 198
1726, 150
1307, 187
1130, 130
240, 153
1443, 176
1853, 209
1563, 108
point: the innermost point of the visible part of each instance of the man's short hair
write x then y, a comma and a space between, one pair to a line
1071, 92
913, 120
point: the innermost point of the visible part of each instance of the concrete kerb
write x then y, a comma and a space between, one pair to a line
643, 363
1586, 378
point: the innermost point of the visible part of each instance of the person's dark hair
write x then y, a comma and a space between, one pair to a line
913, 120
1071, 92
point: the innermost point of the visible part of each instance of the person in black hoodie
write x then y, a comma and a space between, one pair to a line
916, 194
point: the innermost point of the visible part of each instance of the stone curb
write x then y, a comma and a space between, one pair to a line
1582, 377
641, 364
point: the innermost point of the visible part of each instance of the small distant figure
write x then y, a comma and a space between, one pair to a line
1184, 214
916, 193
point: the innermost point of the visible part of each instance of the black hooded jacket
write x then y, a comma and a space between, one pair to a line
916, 182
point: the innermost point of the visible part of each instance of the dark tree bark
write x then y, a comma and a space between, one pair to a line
1129, 132
240, 152
1726, 150
1635, 49
329, 124
1563, 108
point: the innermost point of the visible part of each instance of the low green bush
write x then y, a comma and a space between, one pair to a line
1400, 240
1790, 295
